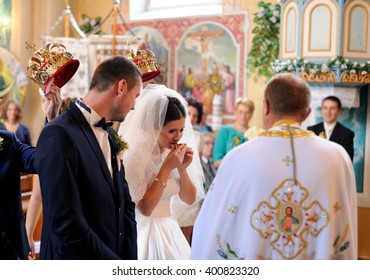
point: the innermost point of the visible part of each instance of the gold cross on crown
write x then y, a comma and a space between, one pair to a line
30, 46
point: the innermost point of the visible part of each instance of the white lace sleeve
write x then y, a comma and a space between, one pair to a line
139, 178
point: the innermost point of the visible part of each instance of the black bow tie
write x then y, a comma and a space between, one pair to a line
103, 124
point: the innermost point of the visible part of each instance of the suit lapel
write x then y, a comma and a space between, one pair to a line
114, 168
86, 128
321, 129
206, 168
335, 135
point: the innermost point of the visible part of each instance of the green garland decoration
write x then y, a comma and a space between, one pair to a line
89, 25
265, 43
338, 63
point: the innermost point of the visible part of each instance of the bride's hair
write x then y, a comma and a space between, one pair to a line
175, 110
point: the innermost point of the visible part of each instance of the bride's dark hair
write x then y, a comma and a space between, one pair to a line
175, 110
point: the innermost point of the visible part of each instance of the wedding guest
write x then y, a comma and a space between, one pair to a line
88, 211
195, 111
330, 128
11, 115
230, 136
34, 209
161, 162
203, 126
17, 157
207, 164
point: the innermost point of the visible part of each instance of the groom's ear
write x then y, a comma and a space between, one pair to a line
122, 87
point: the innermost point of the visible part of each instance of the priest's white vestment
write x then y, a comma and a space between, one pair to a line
286, 194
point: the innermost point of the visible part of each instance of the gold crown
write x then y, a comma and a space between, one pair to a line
146, 62
52, 63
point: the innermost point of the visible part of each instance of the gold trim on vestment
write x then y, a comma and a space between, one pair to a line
286, 134
285, 122
295, 131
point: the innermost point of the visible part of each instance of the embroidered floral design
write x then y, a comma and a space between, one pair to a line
1, 143
340, 245
228, 254
337, 207
286, 219
232, 208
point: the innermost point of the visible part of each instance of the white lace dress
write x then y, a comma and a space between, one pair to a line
159, 235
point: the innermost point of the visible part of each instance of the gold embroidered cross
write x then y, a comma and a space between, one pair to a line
286, 223
232, 208
288, 161
337, 207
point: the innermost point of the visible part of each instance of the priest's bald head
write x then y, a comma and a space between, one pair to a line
286, 97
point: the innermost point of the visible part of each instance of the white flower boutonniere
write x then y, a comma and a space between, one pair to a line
322, 135
1, 143
119, 147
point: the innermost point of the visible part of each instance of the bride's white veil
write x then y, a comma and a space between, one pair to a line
141, 130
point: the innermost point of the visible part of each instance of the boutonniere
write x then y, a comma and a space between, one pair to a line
118, 148
322, 135
236, 141
1, 143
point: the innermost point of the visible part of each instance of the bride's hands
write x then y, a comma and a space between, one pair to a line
188, 158
176, 156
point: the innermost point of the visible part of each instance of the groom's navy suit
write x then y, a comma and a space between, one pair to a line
87, 213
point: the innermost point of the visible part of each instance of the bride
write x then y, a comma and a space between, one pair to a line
160, 162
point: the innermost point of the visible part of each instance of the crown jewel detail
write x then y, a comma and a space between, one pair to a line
53, 61
146, 62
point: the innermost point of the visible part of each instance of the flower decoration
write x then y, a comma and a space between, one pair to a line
253, 132
119, 146
340, 245
229, 253
88, 25
265, 43
322, 134
338, 63
1, 143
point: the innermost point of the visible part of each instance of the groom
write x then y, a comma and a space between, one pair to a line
88, 211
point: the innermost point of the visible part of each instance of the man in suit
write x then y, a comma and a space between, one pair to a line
88, 211
330, 128
207, 165
16, 157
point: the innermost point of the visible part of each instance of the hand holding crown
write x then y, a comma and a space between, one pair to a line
52, 63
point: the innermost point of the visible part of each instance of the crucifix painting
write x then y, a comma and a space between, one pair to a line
205, 36
207, 49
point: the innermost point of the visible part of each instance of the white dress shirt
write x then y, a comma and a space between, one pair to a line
329, 129
100, 134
